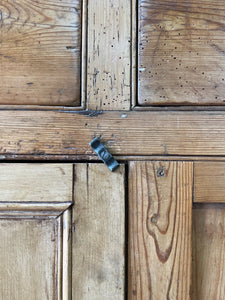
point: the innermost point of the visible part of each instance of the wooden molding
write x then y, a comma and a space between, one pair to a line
21, 207
66, 255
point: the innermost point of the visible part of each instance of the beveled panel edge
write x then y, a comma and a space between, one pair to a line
35, 206
66, 255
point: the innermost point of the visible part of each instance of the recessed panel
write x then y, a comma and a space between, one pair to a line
208, 248
28, 258
181, 52
40, 48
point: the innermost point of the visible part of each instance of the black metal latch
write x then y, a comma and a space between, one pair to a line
104, 154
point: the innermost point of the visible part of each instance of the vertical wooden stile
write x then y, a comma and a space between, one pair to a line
160, 212
109, 53
98, 234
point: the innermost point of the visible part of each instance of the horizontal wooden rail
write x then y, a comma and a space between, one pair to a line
132, 133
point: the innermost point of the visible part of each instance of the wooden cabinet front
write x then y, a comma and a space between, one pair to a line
147, 79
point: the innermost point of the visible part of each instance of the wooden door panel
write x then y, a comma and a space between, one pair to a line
160, 214
181, 52
28, 256
34, 227
34, 253
208, 248
40, 52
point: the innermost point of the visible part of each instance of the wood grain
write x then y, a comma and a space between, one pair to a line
209, 178
35, 227
40, 52
208, 267
41, 183
27, 257
43, 133
98, 235
181, 52
108, 65
160, 211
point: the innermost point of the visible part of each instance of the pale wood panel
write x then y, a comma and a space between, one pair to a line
98, 233
40, 52
156, 133
160, 211
208, 267
181, 52
108, 82
209, 178
28, 258
36, 183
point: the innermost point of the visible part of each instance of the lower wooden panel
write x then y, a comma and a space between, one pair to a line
160, 208
27, 258
34, 231
208, 246
98, 233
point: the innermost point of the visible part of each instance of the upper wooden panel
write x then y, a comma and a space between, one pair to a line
36, 183
181, 46
40, 49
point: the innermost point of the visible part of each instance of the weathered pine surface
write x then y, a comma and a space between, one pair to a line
209, 178
98, 236
208, 267
40, 52
131, 133
54, 182
181, 46
27, 257
160, 217
108, 65
34, 234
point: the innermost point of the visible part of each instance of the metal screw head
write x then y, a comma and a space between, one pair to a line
161, 172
